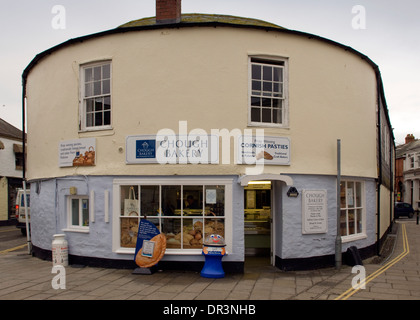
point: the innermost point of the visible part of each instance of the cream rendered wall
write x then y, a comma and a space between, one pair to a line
200, 75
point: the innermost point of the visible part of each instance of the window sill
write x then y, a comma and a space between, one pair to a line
103, 131
268, 125
353, 237
169, 252
79, 230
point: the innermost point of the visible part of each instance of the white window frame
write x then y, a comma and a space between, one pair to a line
82, 105
116, 227
70, 226
285, 99
362, 234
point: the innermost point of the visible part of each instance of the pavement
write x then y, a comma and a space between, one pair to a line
395, 276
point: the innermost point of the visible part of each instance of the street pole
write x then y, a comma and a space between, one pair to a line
338, 236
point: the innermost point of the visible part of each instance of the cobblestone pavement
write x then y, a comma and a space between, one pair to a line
23, 277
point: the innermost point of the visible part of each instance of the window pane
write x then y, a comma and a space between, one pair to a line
350, 194
88, 74
215, 201
267, 73
256, 71
149, 200
266, 115
89, 105
343, 222
342, 195
106, 71
256, 85
97, 73
98, 119
193, 200
214, 226
107, 103
85, 212
129, 229
89, 89
172, 229
74, 212
277, 116
171, 200
358, 194
359, 221
266, 102
267, 86
129, 205
106, 86
107, 118
192, 237
255, 114
97, 88
255, 101
98, 104
351, 221
89, 120
277, 74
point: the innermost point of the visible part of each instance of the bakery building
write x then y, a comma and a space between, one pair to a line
207, 124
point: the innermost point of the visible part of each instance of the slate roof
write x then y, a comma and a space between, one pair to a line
204, 18
9, 131
403, 149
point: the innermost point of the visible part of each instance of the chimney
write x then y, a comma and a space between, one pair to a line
409, 138
168, 11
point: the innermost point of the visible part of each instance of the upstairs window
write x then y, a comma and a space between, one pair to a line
267, 101
96, 96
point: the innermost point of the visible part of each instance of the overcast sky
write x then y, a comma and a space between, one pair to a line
388, 32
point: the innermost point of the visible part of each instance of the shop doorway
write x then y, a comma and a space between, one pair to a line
258, 223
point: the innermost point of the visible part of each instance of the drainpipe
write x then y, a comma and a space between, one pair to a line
378, 246
28, 231
338, 243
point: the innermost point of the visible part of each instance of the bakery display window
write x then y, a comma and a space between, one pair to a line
184, 212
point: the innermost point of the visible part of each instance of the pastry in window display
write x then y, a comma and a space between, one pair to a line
129, 228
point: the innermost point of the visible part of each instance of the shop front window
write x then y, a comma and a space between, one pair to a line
185, 213
351, 208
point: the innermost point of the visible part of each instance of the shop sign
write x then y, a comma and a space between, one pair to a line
263, 149
172, 149
150, 245
314, 211
77, 153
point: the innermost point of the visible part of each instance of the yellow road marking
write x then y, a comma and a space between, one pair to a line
13, 249
347, 294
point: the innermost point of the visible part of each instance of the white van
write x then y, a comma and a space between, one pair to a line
20, 210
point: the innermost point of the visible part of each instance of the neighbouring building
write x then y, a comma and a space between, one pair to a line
407, 171
207, 124
11, 159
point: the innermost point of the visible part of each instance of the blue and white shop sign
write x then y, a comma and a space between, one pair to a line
172, 149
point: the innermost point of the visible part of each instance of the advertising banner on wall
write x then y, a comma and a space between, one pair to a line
77, 153
273, 150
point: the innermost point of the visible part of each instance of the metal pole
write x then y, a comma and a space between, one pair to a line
338, 237
28, 232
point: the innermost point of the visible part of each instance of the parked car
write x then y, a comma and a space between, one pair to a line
20, 210
403, 209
